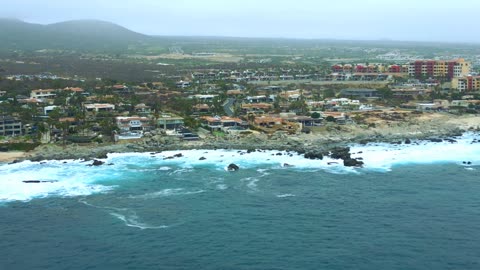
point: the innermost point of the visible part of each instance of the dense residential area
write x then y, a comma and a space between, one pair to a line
231, 102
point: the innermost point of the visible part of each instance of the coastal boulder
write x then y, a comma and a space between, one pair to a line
97, 162
233, 167
313, 155
351, 162
340, 153
408, 141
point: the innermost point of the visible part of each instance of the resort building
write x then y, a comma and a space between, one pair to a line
439, 68
466, 83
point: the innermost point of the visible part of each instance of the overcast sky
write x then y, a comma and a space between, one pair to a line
421, 20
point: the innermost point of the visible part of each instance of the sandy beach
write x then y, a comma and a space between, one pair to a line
11, 156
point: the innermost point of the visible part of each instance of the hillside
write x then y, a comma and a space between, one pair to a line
83, 35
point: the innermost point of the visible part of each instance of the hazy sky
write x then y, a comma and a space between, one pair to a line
422, 20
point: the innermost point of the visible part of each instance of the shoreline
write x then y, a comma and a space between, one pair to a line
6, 157
320, 142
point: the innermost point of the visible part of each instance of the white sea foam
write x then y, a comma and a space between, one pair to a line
61, 179
76, 179
166, 193
382, 156
133, 221
222, 187
285, 195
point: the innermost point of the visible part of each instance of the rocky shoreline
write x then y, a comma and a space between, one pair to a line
333, 142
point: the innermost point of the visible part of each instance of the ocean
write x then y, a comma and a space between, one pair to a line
413, 206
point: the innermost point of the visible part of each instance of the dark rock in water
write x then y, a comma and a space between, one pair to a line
340, 153
351, 162
408, 141
64, 162
450, 140
436, 140
469, 163
178, 155
166, 158
287, 165
332, 162
279, 154
250, 151
202, 158
39, 181
43, 162
233, 167
291, 155
313, 155
97, 162
359, 158
464, 162
15, 161
110, 164
361, 152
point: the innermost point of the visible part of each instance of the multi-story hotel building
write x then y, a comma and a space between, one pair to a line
439, 69
466, 83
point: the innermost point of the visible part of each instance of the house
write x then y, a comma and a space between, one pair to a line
142, 108
303, 120
49, 109
43, 93
268, 121
10, 126
256, 107
133, 124
120, 88
99, 107
74, 89
183, 84
167, 121
201, 108
221, 123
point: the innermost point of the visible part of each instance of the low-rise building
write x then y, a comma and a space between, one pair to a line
133, 124
99, 107
359, 93
167, 121
221, 123
43, 93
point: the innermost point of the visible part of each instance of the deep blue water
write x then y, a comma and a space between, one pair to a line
261, 217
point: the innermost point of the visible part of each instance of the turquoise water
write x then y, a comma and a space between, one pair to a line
144, 212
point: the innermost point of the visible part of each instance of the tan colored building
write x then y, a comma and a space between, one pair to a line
439, 68
466, 83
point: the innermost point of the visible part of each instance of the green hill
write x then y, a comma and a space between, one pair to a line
83, 35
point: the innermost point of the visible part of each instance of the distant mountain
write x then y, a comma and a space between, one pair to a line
84, 35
